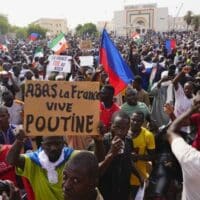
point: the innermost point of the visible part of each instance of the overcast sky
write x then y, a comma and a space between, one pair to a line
23, 12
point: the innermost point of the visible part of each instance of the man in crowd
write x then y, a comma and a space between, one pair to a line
116, 168
80, 178
15, 108
7, 130
142, 95
8, 82
107, 106
188, 157
42, 168
162, 93
144, 149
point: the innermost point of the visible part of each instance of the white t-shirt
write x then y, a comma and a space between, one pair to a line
182, 103
189, 159
15, 112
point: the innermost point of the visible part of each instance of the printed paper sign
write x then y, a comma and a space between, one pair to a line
86, 61
59, 64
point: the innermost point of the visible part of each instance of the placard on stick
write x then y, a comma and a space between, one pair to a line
59, 63
55, 108
85, 44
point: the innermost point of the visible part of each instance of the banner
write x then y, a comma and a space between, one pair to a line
58, 108
59, 63
86, 61
85, 44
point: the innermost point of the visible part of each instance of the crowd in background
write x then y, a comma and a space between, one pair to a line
134, 151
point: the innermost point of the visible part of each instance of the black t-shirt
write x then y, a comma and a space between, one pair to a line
115, 183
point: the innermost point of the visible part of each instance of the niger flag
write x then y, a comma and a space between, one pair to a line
58, 44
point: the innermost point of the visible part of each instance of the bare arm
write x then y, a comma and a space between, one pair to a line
13, 156
174, 130
113, 152
176, 80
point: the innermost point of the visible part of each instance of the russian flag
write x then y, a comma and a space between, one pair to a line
170, 44
33, 36
118, 71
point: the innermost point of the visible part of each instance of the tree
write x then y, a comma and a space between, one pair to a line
32, 28
21, 32
188, 18
78, 28
4, 24
86, 29
196, 22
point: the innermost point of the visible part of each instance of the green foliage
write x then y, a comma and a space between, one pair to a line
4, 24
86, 29
78, 28
21, 32
36, 29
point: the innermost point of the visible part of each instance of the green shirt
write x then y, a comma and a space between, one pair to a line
140, 107
37, 177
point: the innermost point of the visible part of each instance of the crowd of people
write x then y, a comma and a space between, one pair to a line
149, 134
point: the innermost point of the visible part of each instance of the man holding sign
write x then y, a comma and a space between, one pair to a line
44, 167
61, 108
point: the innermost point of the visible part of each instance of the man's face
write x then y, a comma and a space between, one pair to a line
136, 122
16, 71
120, 127
4, 118
188, 90
76, 183
131, 98
105, 95
136, 85
8, 100
53, 147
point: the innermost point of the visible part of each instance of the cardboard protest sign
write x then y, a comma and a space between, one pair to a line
86, 60
58, 108
59, 63
85, 44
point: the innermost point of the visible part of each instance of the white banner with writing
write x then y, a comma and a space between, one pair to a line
59, 63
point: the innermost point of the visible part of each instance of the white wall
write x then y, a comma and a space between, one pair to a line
119, 22
161, 19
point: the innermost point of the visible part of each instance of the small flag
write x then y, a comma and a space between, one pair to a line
149, 74
170, 44
136, 37
34, 36
39, 52
118, 71
3, 48
58, 44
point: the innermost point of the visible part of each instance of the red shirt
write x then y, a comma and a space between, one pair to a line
7, 172
106, 113
195, 120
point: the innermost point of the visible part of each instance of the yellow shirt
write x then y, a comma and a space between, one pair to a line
1, 68
143, 142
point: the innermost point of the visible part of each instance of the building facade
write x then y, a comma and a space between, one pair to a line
54, 26
140, 18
